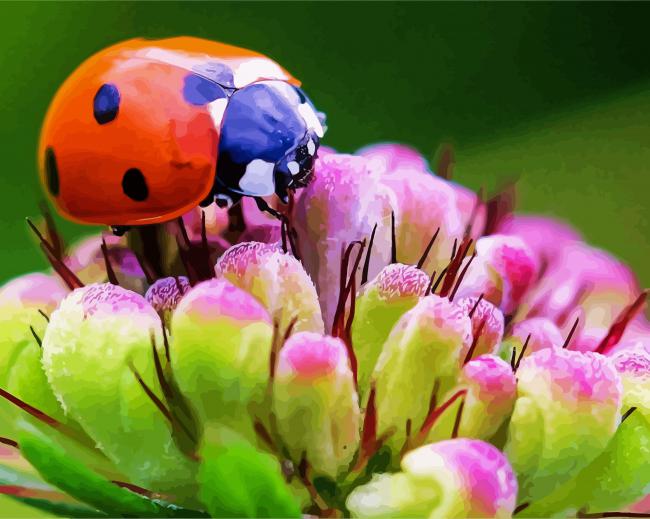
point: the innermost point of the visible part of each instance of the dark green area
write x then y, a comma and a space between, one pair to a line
420, 73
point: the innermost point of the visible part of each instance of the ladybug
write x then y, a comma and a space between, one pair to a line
145, 130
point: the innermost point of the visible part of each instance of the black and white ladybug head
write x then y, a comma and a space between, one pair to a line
270, 134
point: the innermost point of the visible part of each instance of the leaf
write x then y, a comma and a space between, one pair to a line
76, 480
619, 476
237, 480
30, 490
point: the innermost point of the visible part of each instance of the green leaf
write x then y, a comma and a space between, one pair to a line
618, 477
30, 490
237, 480
66, 473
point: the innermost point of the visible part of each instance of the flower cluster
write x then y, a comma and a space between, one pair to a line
393, 346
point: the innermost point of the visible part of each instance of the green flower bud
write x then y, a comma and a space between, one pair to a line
426, 348
96, 343
566, 412
220, 352
315, 402
379, 306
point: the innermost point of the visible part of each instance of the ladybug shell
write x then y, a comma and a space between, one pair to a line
122, 145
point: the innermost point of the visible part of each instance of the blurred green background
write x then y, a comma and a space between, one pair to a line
557, 95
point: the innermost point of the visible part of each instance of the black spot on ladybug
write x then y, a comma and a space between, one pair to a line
106, 103
199, 91
134, 185
51, 172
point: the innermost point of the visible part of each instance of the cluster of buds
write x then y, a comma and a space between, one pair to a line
393, 346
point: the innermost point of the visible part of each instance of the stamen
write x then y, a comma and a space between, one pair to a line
31, 410
53, 234
366, 263
137, 490
425, 254
617, 329
513, 359
573, 329
9, 442
393, 236
520, 508
459, 417
454, 266
435, 413
498, 207
45, 316
475, 340
472, 217
68, 277
430, 285
152, 396
461, 276
36, 337
112, 278
523, 352
439, 280
149, 275
627, 414
478, 302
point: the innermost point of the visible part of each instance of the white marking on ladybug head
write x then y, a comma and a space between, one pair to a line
254, 69
258, 178
293, 167
311, 119
311, 147
216, 109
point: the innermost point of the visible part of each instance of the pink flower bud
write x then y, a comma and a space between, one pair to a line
342, 204
278, 280
487, 324
543, 334
633, 365
165, 294
315, 402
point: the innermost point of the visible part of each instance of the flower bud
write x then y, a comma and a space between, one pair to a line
87, 261
21, 372
427, 345
276, 279
453, 478
491, 393
511, 258
165, 294
487, 324
315, 402
568, 402
97, 341
220, 351
379, 305
633, 366
342, 204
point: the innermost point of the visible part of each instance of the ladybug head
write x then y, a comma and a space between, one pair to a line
120, 144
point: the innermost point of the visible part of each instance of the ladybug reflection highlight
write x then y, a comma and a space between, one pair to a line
144, 131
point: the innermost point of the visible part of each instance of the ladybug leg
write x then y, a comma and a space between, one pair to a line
266, 208
282, 182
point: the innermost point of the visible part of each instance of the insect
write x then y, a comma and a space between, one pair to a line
145, 130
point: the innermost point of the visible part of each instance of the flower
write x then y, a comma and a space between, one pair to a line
370, 352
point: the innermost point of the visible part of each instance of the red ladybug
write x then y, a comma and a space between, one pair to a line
144, 131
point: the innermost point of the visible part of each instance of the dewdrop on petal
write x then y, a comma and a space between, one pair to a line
379, 305
567, 409
276, 279
453, 478
98, 337
315, 402
165, 294
487, 324
220, 351
427, 346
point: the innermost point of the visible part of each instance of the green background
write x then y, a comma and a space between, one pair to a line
553, 94
557, 95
